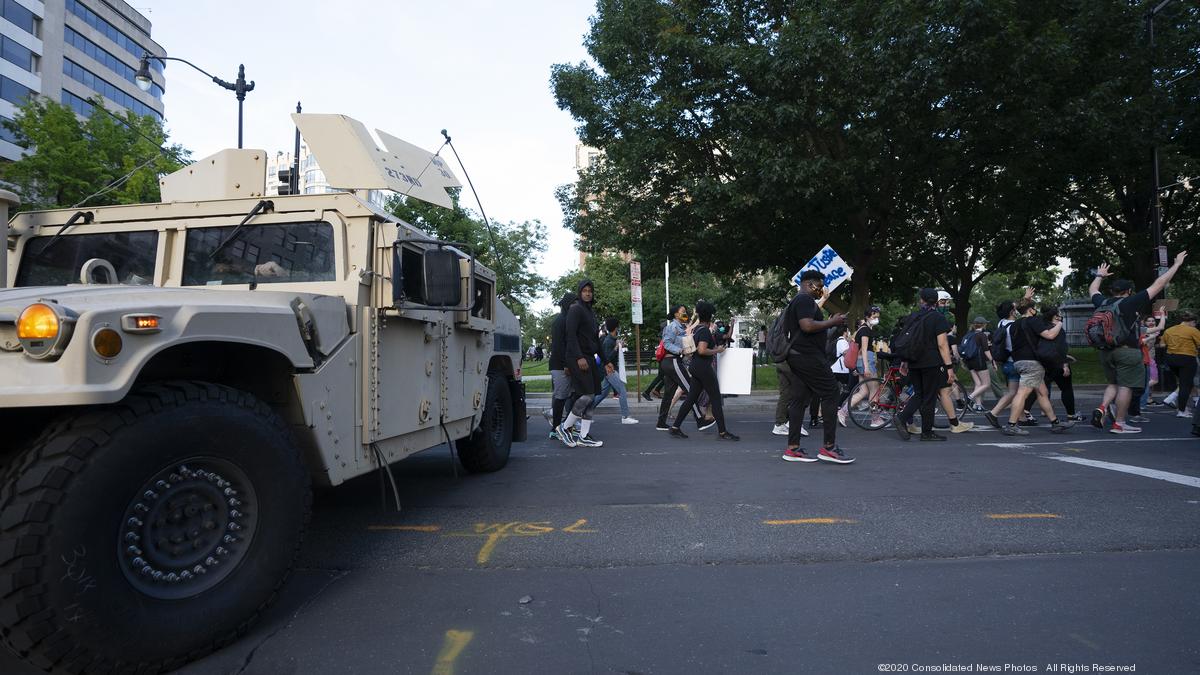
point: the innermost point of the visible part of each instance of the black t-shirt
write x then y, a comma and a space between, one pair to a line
867, 332
703, 334
807, 344
1132, 307
935, 325
1025, 335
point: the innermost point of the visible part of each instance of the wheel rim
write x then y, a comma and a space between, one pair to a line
187, 528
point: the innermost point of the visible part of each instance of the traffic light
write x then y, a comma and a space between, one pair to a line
285, 181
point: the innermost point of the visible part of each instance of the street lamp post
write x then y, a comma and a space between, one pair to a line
1160, 257
240, 87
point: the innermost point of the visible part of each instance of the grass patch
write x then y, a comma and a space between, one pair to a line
536, 368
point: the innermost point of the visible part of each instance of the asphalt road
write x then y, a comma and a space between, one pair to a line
660, 555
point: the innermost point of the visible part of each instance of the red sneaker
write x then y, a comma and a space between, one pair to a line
797, 455
834, 455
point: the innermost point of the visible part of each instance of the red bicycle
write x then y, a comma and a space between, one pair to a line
883, 398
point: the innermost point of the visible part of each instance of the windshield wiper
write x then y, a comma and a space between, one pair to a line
87, 216
265, 204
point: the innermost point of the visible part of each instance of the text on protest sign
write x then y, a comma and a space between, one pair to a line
829, 263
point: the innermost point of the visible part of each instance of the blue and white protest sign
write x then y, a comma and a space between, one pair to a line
829, 263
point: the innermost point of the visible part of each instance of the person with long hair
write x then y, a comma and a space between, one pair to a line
704, 374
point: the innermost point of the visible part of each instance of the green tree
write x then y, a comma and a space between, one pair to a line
95, 161
511, 250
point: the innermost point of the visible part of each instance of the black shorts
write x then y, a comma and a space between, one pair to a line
585, 382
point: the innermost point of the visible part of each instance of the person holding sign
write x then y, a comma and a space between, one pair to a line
811, 375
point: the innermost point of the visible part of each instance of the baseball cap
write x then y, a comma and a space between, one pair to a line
929, 296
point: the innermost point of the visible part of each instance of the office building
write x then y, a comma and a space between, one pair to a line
69, 50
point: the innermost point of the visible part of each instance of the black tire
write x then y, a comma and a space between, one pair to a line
876, 412
185, 456
487, 448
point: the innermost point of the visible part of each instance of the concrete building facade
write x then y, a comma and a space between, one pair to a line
69, 50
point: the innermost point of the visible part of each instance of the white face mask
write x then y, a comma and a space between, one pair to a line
872, 322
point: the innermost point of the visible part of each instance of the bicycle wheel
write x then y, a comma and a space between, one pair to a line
873, 411
962, 402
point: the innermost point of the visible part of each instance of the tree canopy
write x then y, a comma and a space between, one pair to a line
930, 144
95, 161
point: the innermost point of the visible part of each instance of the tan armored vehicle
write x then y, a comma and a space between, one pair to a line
175, 377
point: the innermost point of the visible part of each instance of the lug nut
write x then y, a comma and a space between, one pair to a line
138, 562
221, 550
176, 478
234, 513
199, 569
131, 537
133, 522
229, 539
234, 527
211, 561
162, 485
141, 508
146, 571
230, 492
234, 503
150, 495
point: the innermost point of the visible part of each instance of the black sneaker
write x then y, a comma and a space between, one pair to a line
726, 436
705, 425
992, 419
677, 432
834, 455
1098, 418
932, 437
901, 428
647, 395
1027, 422
662, 426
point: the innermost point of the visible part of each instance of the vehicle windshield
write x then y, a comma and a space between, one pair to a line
288, 252
132, 254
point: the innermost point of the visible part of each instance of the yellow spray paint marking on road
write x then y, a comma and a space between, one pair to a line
810, 521
1018, 516
404, 528
1074, 449
494, 533
453, 645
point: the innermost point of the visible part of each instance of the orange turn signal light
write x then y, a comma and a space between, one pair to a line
38, 322
107, 343
141, 323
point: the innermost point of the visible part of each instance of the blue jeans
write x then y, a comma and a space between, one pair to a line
613, 383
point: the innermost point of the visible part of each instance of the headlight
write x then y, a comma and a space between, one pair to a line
44, 329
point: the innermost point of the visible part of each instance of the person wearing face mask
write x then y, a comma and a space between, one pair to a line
675, 375
868, 362
929, 369
951, 384
704, 374
811, 375
976, 353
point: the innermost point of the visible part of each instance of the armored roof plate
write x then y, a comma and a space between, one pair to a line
351, 159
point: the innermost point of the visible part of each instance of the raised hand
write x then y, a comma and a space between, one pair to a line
1102, 270
1180, 257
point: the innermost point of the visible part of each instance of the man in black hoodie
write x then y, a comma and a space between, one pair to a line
560, 381
581, 346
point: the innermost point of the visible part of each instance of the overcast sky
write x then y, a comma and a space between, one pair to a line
478, 68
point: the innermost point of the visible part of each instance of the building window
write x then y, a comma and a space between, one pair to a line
110, 31
18, 16
13, 91
103, 56
76, 103
106, 89
13, 52
7, 135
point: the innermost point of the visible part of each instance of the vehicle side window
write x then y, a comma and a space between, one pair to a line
281, 253
132, 254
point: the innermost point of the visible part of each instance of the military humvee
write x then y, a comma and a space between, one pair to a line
174, 378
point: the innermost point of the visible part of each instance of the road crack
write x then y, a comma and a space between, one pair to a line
338, 575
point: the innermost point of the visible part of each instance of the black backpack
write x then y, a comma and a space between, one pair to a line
831, 340
779, 342
910, 339
999, 350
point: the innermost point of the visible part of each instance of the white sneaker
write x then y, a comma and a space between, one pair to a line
628, 420
1171, 398
843, 415
780, 430
962, 426
1181, 413
803, 431
1126, 428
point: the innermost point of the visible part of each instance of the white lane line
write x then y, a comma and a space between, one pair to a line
1129, 438
1190, 481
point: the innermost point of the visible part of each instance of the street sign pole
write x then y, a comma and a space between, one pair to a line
635, 296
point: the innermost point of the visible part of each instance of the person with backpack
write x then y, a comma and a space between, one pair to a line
1112, 330
1001, 348
976, 352
922, 345
805, 356
1035, 352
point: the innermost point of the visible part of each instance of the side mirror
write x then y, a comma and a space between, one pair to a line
441, 285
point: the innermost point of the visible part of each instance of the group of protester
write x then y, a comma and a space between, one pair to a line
1028, 348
